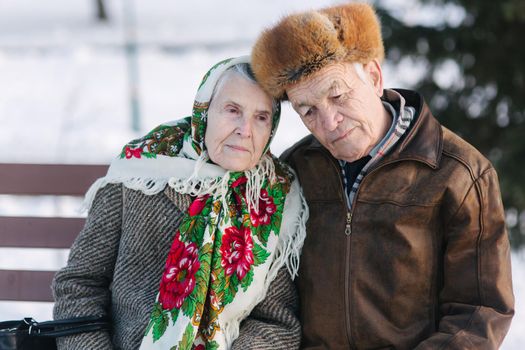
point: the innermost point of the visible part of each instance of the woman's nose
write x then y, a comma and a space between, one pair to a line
244, 127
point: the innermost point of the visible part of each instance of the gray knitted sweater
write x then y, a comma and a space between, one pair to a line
115, 265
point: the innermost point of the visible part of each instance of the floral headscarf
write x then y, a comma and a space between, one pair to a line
231, 240
174, 140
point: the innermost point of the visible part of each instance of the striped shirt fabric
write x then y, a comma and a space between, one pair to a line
400, 122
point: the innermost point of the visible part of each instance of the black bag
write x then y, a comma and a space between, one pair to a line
29, 334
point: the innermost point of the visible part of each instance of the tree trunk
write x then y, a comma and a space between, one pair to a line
101, 11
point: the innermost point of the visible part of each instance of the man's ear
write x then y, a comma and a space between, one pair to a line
373, 69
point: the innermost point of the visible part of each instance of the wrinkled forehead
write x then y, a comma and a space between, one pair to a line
236, 90
329, 80
228, 87
232, 76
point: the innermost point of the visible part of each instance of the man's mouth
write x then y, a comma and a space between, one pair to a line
347, 133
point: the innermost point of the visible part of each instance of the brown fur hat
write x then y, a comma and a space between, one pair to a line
301, 44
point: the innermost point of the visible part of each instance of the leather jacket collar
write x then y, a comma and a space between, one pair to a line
423, 142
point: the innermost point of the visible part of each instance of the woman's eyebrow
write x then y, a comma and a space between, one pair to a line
232, 102
265, 111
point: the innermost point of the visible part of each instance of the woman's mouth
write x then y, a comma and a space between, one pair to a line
238, 148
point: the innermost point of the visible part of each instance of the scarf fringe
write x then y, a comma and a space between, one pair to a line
146, 186
196, 184
256, 176
287, 253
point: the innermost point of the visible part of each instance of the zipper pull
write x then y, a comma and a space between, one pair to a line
348, 229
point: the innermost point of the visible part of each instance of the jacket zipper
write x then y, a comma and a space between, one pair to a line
348, 232
348, 235
348, 228
347, 291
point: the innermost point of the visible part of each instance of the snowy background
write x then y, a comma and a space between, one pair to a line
64, 91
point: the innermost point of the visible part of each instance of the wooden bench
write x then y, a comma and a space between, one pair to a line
40, 232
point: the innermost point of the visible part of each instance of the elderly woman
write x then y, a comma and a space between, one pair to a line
188, 229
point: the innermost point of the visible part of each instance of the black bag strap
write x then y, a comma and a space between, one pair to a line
73, 321
71, 331
7, 325
64, 327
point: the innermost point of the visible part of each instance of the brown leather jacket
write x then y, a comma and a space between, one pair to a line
425, 259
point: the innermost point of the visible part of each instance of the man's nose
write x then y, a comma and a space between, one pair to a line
330, 117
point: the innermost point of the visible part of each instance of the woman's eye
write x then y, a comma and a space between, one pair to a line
231, 109
263, 117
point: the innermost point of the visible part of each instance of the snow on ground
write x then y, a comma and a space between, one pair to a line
515, 339
64, 93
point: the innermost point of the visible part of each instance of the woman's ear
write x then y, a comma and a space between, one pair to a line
373, 69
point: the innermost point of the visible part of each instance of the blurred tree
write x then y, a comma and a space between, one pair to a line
102, 14
473, 79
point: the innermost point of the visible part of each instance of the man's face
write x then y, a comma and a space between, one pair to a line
341, 110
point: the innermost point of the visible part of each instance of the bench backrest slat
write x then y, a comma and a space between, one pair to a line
36, 232
39, 232
26, 285
48, 179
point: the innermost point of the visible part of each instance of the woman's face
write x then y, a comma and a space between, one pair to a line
239, 123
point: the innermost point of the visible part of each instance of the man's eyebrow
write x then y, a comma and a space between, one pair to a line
300, 105
334, 86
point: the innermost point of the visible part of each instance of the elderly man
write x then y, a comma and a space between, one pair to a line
406, 245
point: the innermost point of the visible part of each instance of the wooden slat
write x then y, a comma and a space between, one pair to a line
48, 179
29, 232
26, 285
33, 232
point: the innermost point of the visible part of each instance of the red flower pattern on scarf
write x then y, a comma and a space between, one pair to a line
266, 209
240, 181
178, 280
236, 251
133, 152
197, 205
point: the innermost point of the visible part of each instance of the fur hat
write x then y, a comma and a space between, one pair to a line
301, 44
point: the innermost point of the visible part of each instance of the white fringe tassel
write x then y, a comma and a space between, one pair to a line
146, 186
197, 184
288, 251
256, 176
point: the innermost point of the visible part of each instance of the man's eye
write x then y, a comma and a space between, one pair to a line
339, 98
310, 112
231, 109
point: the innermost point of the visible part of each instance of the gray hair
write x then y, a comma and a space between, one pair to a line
360, 72
245, 71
